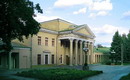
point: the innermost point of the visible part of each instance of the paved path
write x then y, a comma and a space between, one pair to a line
109, 72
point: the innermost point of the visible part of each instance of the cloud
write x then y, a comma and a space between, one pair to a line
91, 4
83, 10
42, 18
100, 13
101, 5
105, 33
67, 3
126, 15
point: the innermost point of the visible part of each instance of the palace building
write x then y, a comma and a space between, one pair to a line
58, 42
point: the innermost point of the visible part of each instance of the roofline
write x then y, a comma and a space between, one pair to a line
59, 20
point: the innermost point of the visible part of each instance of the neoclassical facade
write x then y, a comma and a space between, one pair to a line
58, 42
61, 42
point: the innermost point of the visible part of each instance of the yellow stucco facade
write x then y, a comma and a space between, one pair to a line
61, 42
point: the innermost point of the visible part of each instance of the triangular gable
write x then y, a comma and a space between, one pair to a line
84, 29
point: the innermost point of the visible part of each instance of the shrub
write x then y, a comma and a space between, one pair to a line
58, 74
127, 77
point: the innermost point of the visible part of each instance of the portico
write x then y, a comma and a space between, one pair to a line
74, 46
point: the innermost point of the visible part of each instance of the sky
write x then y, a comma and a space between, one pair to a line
104, 17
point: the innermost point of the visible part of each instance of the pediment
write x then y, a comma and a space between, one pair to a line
84, 30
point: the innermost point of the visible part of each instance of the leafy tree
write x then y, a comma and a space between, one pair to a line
16, 20
116, 46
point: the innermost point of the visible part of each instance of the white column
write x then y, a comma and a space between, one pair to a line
71, 52
76, 52
92, 53
10, 62
88, 53
81, 55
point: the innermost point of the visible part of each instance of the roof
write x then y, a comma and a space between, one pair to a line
16, 45
104, 50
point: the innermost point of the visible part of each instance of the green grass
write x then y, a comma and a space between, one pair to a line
42, 66
6, 78
102, 50
126, 63
58, 74
127, 77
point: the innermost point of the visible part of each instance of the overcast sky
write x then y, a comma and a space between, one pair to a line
104, 17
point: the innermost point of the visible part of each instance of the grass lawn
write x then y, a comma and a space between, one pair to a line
58, 74
6, 78
127, 77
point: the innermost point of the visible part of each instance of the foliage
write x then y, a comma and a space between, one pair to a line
99, 46
116, 46
127, 77
123, 40
16, 20
6, 78
128, 47
58, 74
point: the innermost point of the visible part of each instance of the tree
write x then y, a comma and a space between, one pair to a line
116, 45
128, 47
124, 42
16, 20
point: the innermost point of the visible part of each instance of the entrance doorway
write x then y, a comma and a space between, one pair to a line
46, 59
67, 60
39, 59
15, 60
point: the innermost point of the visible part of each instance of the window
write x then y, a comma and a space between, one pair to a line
53, 42
52, 59
39, 59
39, 40
61, 59
46, 41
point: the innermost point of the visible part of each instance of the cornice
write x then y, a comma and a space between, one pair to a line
48, 31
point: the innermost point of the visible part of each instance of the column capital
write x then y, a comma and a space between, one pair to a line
71, 39
81, 42
76, 41
59, 41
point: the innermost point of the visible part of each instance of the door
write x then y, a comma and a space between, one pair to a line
67, 60
46, 59
52, 59
39, 59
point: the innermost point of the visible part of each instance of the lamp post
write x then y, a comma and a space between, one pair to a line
85, 66
85, 49
113, 52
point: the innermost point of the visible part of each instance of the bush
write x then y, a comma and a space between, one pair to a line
108, 63
58, 74
127, 77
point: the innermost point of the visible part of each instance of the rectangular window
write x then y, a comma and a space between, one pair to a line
46, 41
39, 40
52, 59
61, 59
39, 59
53, 42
